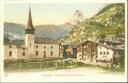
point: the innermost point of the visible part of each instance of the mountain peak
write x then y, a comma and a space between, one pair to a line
76, 18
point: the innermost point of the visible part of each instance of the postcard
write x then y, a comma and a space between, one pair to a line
63, 41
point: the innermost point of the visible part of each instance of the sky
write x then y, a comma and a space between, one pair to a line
48, 13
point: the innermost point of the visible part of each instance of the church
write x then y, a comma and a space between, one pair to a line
31, 47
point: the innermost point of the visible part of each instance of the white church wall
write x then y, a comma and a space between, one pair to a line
22, 53
10, 52
39, 48
47, 48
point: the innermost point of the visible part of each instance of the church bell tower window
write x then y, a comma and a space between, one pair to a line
10, 46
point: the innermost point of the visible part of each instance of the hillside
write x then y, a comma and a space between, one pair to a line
107, 23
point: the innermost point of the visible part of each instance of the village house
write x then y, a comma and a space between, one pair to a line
102, 51
87, 51
31, 47
111, 51
69, 50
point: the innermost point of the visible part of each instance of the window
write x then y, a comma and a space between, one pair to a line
44, 54
36, 46
51, 47
23, 54
10, 46
30, 44
107, 53
51, 53
10, 53
115, 53
100, 53
23, 48
59, 53
36, 53
104, 53
44, 46
100, 47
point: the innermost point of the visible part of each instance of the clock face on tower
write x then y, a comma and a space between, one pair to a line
30, 38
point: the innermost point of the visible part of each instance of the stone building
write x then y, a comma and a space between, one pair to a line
31, 47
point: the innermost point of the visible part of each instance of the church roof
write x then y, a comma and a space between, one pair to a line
45, 41
14, 42
37, 41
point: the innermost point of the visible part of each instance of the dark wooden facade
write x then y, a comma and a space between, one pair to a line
88, 50
69, 51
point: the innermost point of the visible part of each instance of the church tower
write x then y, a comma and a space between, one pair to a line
29, 36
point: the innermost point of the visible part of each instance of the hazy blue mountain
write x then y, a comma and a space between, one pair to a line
15, 31
52, 31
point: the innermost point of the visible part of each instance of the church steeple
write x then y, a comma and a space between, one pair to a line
29, 28
29, 36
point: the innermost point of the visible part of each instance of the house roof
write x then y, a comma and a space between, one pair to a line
87, 41
74, 45
111, 41
117, 44
113, 47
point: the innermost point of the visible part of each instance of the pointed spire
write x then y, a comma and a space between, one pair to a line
29, 22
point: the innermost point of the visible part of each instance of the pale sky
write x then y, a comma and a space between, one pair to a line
48, 13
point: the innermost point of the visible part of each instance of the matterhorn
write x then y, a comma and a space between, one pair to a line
77, 18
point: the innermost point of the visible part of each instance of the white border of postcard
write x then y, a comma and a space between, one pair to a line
55, 1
